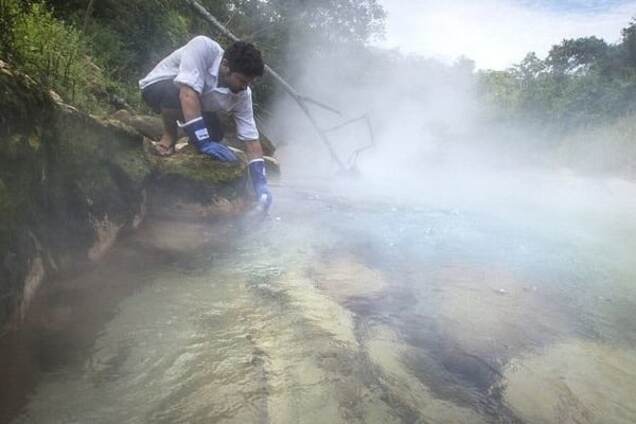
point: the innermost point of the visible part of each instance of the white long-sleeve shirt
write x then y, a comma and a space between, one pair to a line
197, 65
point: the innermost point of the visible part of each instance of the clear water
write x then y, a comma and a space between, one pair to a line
350, 308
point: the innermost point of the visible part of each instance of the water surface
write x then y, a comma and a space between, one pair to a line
346, 307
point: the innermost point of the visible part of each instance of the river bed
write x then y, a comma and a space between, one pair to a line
350, 307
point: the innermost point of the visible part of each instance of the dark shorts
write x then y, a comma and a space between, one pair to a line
165, 95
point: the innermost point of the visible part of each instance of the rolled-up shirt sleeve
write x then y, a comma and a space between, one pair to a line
244, 118
193, 64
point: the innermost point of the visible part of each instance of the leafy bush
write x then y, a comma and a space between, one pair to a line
57, 55
9, 12
121, 40
46, 48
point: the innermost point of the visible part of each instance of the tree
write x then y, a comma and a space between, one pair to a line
629, 44
577, 55
530, 68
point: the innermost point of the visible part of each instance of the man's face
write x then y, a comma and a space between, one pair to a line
235, 81
238, 82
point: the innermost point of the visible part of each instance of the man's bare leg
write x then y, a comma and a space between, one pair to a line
169, 136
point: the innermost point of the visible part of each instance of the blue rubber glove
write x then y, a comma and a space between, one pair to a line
259, 182
200, 138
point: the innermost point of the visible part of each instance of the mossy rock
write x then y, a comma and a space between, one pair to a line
148, 126
134, 165
64, 175
190, 164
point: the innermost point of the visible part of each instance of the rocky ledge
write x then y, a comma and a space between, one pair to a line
71, 184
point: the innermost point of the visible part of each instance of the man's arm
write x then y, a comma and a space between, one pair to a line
253, 149
196, 129
190, 103
248, 134
191, 108
256, 165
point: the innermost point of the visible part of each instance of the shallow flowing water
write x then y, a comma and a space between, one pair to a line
350, 308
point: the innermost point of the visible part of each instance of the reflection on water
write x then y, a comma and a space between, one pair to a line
345, 311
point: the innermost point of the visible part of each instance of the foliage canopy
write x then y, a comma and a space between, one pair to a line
581, 82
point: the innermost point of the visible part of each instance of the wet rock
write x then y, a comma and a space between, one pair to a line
389, 355
470, 368
344, 277
177, 237
482, 308
573, 382
106, 233
10, 262
32, 282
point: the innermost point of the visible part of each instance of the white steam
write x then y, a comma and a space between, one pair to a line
432, 143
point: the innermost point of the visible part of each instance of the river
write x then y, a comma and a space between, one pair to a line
351, 305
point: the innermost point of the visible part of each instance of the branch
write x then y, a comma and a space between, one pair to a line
301, 100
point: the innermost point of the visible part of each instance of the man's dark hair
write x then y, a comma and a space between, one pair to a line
245, 58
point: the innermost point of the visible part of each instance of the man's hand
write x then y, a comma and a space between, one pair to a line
259, 182
197, 130
200, 138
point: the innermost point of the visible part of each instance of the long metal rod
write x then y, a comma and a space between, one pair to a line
354, 155
322, 105
345, 123
301, 100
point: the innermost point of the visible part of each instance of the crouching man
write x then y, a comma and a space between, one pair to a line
194, 82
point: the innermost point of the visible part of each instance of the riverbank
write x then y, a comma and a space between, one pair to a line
72, 183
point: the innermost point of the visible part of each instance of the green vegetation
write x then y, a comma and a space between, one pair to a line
580, 102
93, 52
582, 82
52, 52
